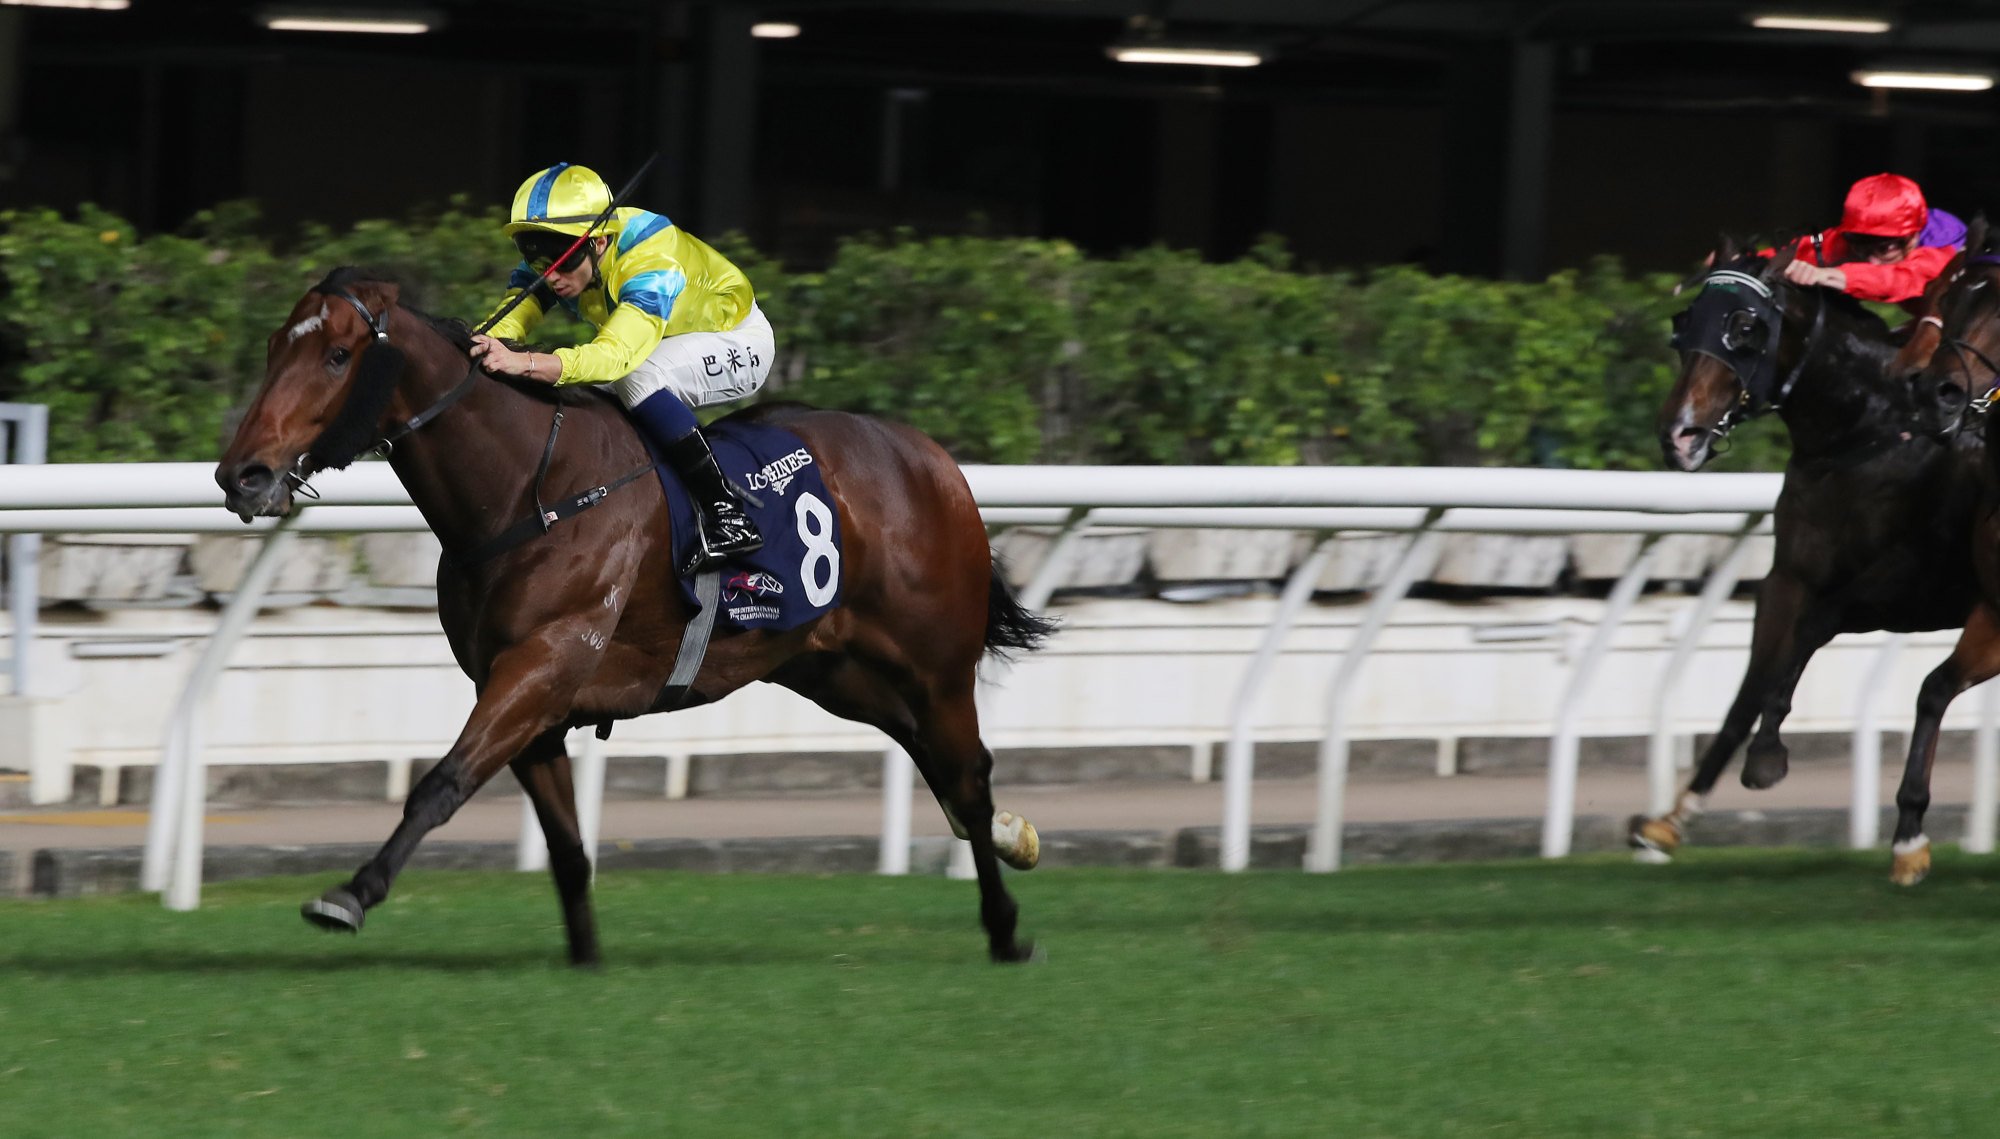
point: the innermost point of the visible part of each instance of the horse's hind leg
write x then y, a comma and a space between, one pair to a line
941, 733
948, 732
544, 772
1975, 658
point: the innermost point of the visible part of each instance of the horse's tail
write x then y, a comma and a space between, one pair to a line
1008, 624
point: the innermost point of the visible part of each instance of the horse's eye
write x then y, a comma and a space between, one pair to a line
338, 357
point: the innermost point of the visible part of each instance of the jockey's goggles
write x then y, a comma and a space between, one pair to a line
540, 248
1866, 245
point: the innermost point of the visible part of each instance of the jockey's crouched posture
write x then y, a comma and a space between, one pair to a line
677, 328
1888, 246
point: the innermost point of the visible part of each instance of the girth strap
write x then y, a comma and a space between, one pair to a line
694, 641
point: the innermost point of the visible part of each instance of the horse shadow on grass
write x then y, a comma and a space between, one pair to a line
465, 962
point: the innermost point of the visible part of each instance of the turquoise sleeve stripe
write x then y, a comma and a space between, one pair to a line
654, 293
640, 228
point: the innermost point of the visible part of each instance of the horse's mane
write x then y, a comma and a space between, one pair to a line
459, 333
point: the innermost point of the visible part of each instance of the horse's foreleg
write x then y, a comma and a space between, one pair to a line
1975, 658
527, 692
1782, 606
544, 772
1783, 649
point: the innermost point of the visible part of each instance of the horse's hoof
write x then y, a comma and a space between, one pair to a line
1765, 769
1015, 841
1661, 837
1912, 862
1028, 953
336, 910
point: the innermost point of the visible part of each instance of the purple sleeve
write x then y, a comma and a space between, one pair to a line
1942, 229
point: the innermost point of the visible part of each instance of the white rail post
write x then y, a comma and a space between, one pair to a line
1239, 761
896, 793
183, 880
589, 767
31, 436
1559, 824
1864, 816
531, 850
1662, 776
1323, 851
1979, 817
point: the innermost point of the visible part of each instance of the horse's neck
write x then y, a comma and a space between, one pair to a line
469, 471
1843, 397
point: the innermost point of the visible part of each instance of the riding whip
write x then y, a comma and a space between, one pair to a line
517, 298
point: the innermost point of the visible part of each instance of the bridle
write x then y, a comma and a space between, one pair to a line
1962, 348
304, 468
1745, 346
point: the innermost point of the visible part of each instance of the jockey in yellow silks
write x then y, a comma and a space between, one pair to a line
678, 327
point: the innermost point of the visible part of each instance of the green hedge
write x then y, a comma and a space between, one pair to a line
1005, 350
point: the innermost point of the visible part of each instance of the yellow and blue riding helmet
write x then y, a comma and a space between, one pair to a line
552, 209
565, 198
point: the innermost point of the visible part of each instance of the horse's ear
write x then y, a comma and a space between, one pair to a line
1725, 250
1775, 268
1977, 233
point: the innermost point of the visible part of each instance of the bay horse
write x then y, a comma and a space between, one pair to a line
1952, 388
1872, 518
580, 625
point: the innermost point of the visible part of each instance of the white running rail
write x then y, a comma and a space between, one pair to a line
182, 497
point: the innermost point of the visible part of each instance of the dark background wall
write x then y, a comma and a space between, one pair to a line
1479, 135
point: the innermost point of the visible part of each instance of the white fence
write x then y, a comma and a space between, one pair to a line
1423, 501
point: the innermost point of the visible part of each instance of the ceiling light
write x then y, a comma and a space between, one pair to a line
1853, 25
402, 22
774, 31
1202, 56
102, 5
1915, 80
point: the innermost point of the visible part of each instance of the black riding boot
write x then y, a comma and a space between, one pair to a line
726, 531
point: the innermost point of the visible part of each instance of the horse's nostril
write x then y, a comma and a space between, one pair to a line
253, 479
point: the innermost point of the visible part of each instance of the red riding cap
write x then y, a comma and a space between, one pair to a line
1884, 205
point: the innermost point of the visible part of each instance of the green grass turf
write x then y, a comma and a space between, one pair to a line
1734, 993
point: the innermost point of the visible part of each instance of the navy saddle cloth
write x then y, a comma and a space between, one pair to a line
795, 577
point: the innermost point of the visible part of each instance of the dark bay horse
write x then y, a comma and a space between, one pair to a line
1872, 518
581, 625
1951, 391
